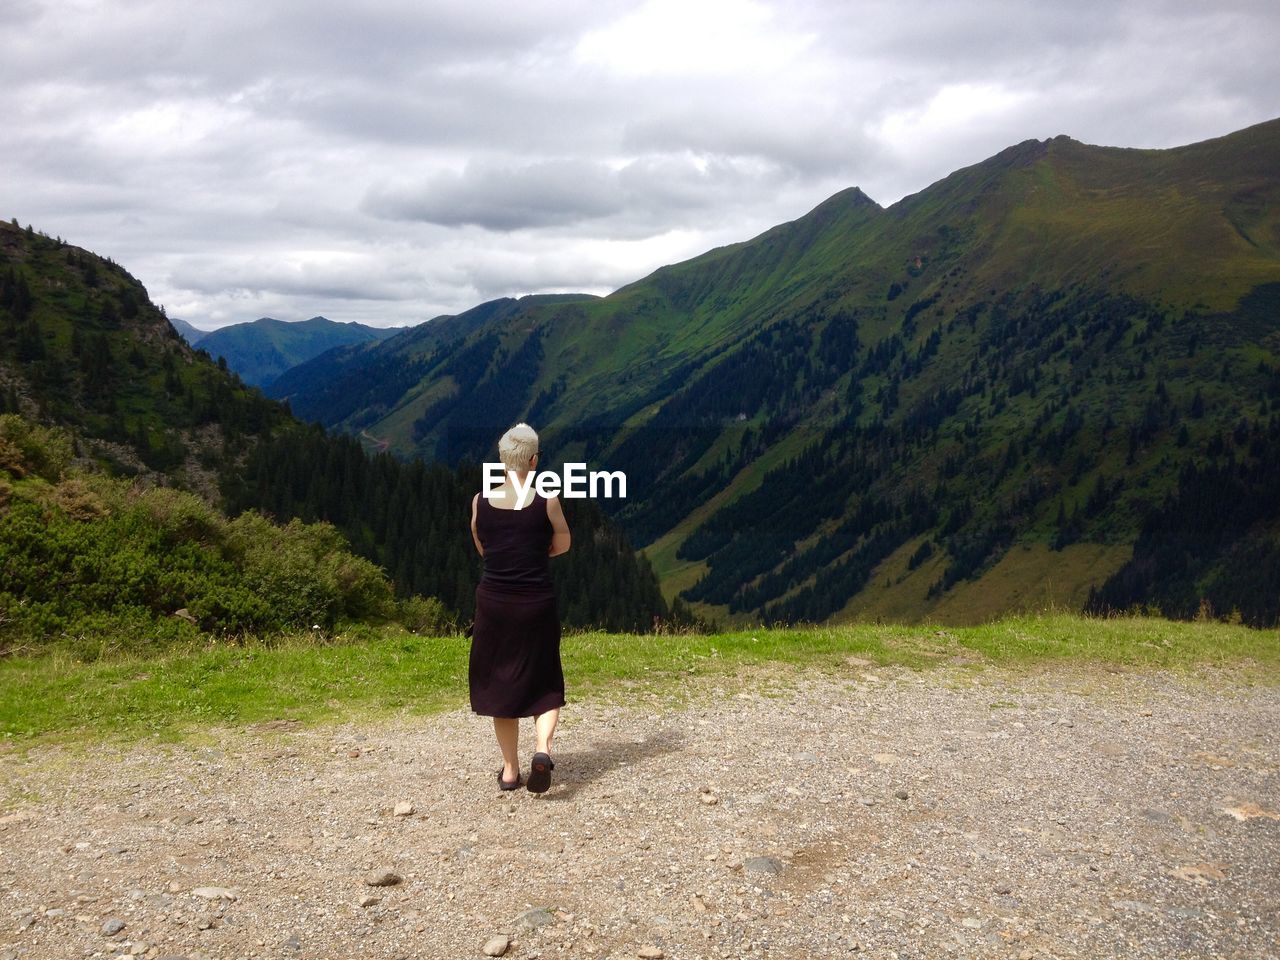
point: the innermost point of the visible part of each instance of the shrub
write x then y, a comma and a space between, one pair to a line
425, 615
306, 571
180, 516
232, 608
78, 500
29, 449
91, 558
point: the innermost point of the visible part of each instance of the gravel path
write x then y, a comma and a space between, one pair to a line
878, 812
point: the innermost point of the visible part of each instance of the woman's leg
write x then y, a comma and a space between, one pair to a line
507, 730
545, 725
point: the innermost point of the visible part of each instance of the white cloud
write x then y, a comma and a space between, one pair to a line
955, 108
397, 160
680, 38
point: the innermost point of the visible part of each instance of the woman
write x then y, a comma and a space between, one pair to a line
515, 668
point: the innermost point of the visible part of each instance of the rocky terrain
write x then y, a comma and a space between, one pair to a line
871, 812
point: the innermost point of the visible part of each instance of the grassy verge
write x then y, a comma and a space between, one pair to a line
54, 697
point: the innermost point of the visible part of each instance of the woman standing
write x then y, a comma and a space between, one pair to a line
514, 669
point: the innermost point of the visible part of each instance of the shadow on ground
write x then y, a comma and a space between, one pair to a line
582, 765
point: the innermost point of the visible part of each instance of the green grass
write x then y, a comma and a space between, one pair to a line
55, 698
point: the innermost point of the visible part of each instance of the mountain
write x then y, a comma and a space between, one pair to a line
95, 381
82, 347
262, 350
983, 397
192, 335
368, 377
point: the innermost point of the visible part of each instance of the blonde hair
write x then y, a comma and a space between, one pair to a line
517, 447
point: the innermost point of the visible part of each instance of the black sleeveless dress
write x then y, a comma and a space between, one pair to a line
515, 670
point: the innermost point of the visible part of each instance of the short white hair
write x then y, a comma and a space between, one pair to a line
517, 447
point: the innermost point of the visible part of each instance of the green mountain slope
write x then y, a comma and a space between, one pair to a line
262, 350
370, 378
93, 371
862, 412
83, 347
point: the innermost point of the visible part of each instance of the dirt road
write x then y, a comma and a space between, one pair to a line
873, 813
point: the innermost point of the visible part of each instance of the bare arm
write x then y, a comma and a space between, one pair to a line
475, 537
560, 528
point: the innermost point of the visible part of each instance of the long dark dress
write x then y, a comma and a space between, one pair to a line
515, 670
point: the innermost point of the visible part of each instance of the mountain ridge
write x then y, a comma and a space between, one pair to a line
1027, 351
190, 333
261, 350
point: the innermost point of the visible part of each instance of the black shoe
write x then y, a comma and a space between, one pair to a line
505, 785
540, 773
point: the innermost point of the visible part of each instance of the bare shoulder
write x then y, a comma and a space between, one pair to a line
555, 513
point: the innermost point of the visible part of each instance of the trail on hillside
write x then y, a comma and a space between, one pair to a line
379, 443
880, 813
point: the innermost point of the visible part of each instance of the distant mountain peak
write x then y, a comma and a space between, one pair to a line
190, 333
263, 349
850, 198
1021, 154
855, 196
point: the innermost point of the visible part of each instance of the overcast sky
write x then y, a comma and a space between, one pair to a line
390, 161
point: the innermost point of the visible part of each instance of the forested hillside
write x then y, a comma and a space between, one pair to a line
1000, 391
408, 517
83, 347
86, 355
357, 386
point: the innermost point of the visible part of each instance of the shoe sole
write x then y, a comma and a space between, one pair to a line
539, 773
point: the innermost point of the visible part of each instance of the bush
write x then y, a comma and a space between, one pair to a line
232, 608
79, 500
425, 615
306, 571
28, 449
180, 515
91, 558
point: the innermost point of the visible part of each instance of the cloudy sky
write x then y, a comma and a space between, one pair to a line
398, 159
